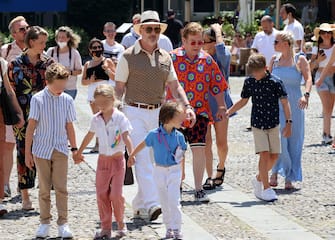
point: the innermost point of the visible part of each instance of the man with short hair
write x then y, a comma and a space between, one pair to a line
264, 41
18, 28
174, 29
112, 49
130, 38
142, 74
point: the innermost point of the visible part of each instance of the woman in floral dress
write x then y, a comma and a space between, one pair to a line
26, 74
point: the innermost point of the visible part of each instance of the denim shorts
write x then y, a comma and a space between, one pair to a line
327, 85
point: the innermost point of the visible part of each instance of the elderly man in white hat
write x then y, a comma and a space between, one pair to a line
142, 74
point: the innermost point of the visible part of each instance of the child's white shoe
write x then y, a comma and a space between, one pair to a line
43, 231
64, 231
258, 187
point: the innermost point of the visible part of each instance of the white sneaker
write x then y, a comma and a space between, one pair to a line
169, 233
177, 234
3, 210
141, 213
122, 232
154, 213
64, 231
327, 139
269, 195
258, 187
43, 231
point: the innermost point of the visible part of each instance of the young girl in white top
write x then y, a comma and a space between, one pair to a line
112, 129
169, 146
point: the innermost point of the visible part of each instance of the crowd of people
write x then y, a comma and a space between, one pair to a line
163, 86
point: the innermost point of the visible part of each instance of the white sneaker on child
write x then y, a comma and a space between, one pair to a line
141, 213
169, 233
43, 231
269, 195
64, 231
154, 213
177, 234
258, 187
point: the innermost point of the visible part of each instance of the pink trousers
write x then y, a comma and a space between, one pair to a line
109, 183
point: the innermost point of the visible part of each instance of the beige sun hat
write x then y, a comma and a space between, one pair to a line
149, 17
323, 27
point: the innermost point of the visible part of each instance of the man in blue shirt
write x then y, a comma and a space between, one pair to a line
264, 90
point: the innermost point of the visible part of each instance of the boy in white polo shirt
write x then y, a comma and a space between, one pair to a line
50, 127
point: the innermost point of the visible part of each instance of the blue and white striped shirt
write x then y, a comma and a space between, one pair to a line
51, 113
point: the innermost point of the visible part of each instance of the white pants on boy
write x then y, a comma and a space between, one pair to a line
168, 181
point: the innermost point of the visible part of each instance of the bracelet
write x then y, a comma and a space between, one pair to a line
289, 121
307, 94
222, 107
74, 149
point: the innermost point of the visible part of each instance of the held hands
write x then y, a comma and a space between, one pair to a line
221, 113
190, 115
77, 157
131, 160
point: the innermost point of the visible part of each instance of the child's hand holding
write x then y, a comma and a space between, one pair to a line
77, 157
131, 161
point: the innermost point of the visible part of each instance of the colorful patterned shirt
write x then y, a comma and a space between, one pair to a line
198, 77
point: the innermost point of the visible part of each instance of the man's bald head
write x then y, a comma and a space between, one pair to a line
266, 18
267, 24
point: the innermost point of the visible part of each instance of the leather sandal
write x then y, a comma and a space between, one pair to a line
209, 184
27, 205
273, 180
219, 180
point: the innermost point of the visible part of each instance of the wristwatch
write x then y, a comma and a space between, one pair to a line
307, 94
189, 106
289, 121
74, 149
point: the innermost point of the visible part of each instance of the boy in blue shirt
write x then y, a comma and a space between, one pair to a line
264, 90
169, 146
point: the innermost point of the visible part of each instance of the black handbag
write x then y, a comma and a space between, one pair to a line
129, 176
10, 115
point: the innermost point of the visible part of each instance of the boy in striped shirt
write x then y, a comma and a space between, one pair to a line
50, 127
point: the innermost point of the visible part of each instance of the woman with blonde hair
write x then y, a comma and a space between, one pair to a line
290, 68
66, 54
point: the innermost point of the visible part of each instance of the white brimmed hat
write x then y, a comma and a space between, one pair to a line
149, 17
323, 27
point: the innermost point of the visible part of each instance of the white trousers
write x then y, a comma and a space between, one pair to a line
168, 181
142, 121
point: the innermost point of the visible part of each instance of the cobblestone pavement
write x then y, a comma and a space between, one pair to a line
312, 205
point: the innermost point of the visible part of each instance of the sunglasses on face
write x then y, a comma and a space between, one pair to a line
110, 31
96, 47
325, 32
208, 42
150, 29
199, 43
23, 29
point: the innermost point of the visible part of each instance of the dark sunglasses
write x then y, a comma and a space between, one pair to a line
199, 43
324, 32
110, 31
150, 29
23, 29
96, 47
210, 41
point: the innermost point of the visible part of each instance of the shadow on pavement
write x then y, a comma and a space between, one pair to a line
17, 214
286, 191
